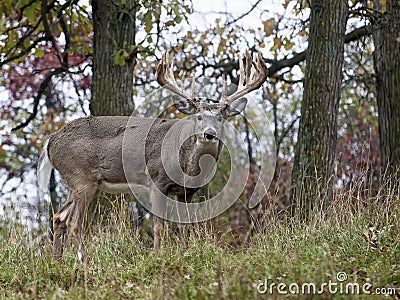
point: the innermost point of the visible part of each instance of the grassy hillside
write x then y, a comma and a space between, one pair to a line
359, 242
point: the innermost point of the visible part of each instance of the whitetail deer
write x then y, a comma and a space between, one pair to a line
87, 152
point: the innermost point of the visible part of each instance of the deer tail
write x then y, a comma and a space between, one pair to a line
44, 168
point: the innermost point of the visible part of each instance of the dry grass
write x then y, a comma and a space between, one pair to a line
360, 236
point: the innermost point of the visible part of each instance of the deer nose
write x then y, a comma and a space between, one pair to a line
210, 134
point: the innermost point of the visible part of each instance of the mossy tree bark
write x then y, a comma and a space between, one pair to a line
113, 57
315, 149
387, 69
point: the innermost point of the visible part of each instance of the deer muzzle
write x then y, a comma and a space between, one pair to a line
210, 134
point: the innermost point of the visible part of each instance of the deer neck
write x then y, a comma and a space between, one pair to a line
198, 149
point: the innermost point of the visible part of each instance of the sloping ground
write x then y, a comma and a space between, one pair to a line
353, 251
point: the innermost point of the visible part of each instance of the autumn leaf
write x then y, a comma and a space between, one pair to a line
120, 57
286, 3
170, 23
288, 44
303, 32
277, 44
269, 26
370, 235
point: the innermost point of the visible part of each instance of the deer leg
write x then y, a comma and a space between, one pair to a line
137, 214
158, 227
183, 227
159, 210
60, 228
82, 199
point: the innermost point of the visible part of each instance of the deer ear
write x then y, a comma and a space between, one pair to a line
183, 105
236, 107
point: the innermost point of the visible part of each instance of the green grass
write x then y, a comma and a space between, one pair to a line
359, 238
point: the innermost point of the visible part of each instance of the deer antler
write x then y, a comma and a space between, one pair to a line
165, 77
249, 80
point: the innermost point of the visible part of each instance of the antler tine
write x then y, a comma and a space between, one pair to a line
259, 64
194, 88
169, 63
241, 72
165, 77
250, 79
249, 63
224, 91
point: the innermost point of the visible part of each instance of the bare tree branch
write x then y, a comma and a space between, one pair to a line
23, 52
245, 14
62, 55
277, 65
39, 94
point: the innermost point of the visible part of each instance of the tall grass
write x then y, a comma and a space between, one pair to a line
359, 238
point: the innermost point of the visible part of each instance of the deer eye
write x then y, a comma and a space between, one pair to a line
199, 117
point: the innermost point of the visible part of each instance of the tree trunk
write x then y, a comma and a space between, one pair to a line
315, 149
387, 69
113, 57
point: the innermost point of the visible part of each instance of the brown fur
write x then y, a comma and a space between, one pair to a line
88, 151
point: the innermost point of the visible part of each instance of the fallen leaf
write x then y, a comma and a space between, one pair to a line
129, 284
